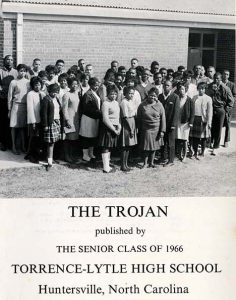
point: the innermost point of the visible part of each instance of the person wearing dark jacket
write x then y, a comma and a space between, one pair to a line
52, 120
223, 101
185, 121
231, 85
171, 104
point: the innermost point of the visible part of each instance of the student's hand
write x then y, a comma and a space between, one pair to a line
172, 127
68, 124
190, 125
161, 134
34, 126
131, 135
45, 128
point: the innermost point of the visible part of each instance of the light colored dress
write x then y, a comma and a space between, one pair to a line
128, 113
70, 108
183, 129
17, 94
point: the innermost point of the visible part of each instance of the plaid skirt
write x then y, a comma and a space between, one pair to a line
199, 129
53, 134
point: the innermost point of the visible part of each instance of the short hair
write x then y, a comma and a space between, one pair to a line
21, 66
217, 74
51, 68
79, 61
153, 64
108, 74
114, 61
71, 80
188, 74
6, 57
180, 84
170, 70
88, 65
134, 59
156, 74
153, 90
62, 76
83, 76
180, 68
60, 61
93, 80
202, 85
112, 88
134, 80
42, 74
211, 67
226, 70
53, 88
140, 70
120, 68
36, 59
35, 80
127, 89
117, 75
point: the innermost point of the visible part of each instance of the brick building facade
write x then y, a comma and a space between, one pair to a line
100, 31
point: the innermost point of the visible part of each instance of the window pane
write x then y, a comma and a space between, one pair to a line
208, 58
208, 40
194, 40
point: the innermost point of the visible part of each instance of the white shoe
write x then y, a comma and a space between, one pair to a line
86, 156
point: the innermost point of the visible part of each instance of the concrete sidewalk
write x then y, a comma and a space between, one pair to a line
9, 160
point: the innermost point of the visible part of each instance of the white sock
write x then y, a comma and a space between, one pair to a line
86, 155
50, 160
90, 152
105, 161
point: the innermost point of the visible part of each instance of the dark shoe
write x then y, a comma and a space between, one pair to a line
3, 148
169, 164
143, 166
196, 157
152, 166
125, 169
48, 167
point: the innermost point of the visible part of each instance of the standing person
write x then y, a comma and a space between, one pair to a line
222, 103
36, 67
170, 101
144, 87
60, 65
84, 86
122, 70
110, 127
91, 115
109, 79
34, 97
128, 135
52, 121
114, 66
131, 82
201, 129
185, 121
158, 82
163, 72
44, 77
62, 80
89, 70
17, 108
119, 84
80, 68
7, 74
228, 116
52, 74
152, 125
70, 108
210, 74
134, 63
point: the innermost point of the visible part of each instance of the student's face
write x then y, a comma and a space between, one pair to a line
118, 80
130, 95
211, 72
21, 73
74, 86
37, 65
112, 96
82, 65
85, 81
44, 79
123, 72
95, 87
51, 75
133, 73
164, 74
134, 63
145, 76
63, 83
181, 71
37, 87
152, 97
8, 61
110, 80
197, 70
114, 67
225, 75
218, 80
158, 79
60, 66
53, 94
167, 87
89, 70
201, 91
182, 91
130, 83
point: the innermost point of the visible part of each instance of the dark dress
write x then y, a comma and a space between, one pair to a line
152, 121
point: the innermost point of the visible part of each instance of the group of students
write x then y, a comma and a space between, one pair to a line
147, 109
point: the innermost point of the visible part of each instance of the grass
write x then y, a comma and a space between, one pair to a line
212, 176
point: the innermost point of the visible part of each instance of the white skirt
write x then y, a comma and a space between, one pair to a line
89, 127
183, 131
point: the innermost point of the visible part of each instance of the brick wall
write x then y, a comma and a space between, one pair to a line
7, 38
99, 44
